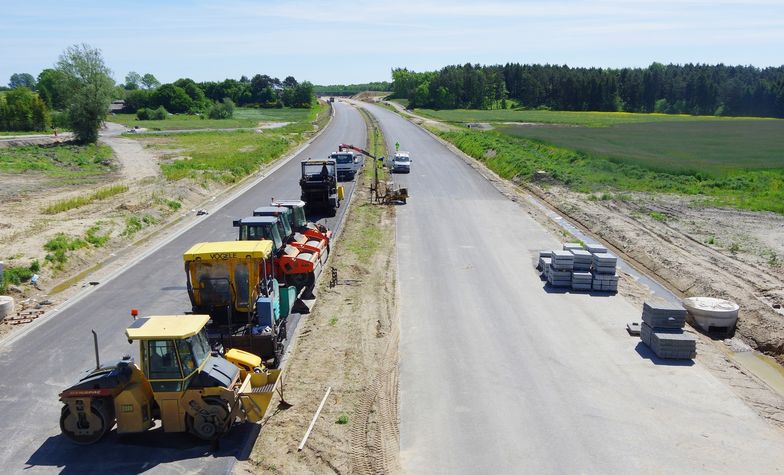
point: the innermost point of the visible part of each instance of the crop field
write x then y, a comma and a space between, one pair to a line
511, 156
588, 119
59, 161
243, 118
712, 148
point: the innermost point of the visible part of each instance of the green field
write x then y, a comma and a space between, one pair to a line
520, 158
243, 118
66, 161
229, 156
712, 148
588, 119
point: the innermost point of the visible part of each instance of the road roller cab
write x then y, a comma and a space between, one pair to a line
179, 382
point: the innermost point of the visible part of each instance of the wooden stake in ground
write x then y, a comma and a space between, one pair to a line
315, 417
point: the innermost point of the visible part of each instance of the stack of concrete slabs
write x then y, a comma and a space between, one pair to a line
568, 246
605, 282
544, 258
582, 259
563, 260
557, 277
663, 315
596, 248
669, 343
581, 280
604, 263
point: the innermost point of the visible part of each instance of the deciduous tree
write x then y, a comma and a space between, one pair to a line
89, 89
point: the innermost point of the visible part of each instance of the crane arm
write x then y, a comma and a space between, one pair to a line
357, 149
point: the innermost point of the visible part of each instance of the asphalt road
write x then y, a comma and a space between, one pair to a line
500, 375
49, 357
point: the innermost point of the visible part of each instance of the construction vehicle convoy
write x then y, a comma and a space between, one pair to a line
319, 185
180, 382
234, 282
241, 294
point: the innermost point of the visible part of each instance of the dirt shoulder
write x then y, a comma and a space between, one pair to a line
348, 342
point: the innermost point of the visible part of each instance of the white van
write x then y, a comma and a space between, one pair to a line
348, 164
401, 163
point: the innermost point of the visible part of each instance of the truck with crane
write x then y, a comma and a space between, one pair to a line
179, 382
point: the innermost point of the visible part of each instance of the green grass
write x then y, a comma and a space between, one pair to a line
59, 247
589, 119
93, 237
519, 157
712, 147
134, 224
60, 161
18, 275
229, 156
243, 118
84, 200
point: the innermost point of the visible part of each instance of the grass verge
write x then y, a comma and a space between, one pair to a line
79, 201
66, 161
226, 157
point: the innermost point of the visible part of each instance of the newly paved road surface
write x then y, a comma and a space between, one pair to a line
500, 375
50, 357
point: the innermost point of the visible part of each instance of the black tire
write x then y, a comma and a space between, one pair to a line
210, 427
104, 424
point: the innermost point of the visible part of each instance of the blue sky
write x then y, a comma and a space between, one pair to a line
343, 42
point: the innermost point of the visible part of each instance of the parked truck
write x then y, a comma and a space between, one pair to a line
319, 185
291, 235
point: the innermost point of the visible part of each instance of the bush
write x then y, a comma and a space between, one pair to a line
222, 110
22, 110
152, 114
59, 246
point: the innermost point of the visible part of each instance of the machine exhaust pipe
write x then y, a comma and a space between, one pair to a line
95, 343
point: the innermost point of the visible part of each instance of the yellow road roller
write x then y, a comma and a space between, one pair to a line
180, 382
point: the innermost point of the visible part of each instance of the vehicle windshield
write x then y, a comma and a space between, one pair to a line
200, 347
314, 169
343, 158
402, 159
299, 217
256, 232
212, 282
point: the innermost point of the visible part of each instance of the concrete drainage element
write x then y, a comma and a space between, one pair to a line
712, 312
6, 306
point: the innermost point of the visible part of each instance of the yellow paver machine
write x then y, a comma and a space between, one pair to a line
180, 382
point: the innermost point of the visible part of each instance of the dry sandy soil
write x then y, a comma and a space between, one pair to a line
24, 228
348, 342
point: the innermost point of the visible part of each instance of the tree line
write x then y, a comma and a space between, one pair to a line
697, 89
187, 96
77, 92
351, 89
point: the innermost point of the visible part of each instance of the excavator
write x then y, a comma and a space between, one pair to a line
179, 382
296, 266
234, 282
315, 244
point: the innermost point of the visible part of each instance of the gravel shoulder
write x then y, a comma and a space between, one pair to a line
348, 342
